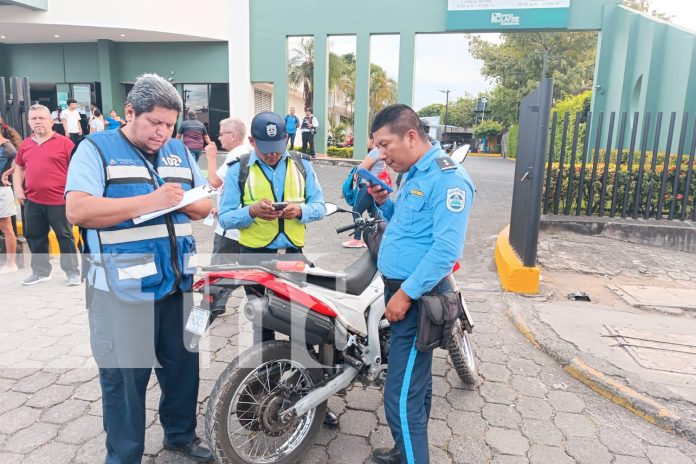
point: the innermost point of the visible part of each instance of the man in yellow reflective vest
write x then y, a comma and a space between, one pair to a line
270, 195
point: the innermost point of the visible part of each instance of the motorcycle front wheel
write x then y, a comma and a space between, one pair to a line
242, 419
461, 352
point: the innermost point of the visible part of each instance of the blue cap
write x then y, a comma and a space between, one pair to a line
268, 131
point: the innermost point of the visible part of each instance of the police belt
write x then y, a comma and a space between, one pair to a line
393, 285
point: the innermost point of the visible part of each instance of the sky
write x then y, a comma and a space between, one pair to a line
443, 61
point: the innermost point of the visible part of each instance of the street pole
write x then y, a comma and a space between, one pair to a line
446, 92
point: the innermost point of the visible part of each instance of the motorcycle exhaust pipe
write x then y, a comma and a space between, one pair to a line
255, 308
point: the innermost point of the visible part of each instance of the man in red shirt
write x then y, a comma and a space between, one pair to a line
39, 184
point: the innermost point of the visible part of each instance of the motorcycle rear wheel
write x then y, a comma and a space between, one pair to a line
241, 420
461, 352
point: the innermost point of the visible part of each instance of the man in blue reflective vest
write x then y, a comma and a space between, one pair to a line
424, 238
139, 275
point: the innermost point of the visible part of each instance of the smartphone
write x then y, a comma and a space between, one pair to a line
373, 180
280, 205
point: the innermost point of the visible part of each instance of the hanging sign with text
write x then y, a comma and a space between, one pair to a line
501, 15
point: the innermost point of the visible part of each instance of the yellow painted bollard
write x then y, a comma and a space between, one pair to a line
53, 248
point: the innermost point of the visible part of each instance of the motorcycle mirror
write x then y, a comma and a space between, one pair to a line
334, 208
460, 154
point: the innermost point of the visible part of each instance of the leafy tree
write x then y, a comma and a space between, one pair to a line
517, 63
488, 128
436, 109
341, 79
382, 90
301, 73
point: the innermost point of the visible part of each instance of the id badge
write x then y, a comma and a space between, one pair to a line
198, 321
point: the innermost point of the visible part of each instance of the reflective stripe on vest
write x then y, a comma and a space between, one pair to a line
261, 233
168, 172
161, 248
127, 172
113, 237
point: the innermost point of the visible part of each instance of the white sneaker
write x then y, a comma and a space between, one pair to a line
8, 269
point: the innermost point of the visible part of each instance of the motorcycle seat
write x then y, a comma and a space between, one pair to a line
356, 279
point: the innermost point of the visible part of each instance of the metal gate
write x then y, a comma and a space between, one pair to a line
14, 105
529, 172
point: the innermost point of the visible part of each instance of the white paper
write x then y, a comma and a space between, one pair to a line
190, 196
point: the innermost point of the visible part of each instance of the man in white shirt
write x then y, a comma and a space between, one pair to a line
71, 121
232, 132
308, 129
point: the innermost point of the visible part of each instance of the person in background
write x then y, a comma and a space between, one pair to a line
364, 201
232, 132
292, 123
308, 129
8, 152
97, 123
41, 169
71, 118
10, 133
114, 121
57, 122
194, 135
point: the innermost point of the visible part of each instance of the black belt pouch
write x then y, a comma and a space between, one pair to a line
436, 316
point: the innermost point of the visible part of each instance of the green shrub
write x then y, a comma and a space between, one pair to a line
576, 106
513, 137
337, 152
627, 183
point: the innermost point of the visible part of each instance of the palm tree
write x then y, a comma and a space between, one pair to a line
301, 73
382, 90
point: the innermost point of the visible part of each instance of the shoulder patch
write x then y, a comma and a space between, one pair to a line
446, 163
456, 199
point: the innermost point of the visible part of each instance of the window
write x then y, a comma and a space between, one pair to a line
263, 101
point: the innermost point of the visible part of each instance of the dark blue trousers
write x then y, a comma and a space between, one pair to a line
409, 389
127, 342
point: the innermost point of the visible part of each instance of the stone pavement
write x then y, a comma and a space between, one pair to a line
525, 409
635, 338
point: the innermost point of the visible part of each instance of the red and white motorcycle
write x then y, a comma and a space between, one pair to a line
269, 403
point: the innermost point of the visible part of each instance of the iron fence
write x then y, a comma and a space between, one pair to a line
631, 168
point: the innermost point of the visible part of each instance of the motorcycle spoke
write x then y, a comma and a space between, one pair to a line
278, 382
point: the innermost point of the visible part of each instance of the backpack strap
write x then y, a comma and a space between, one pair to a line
243, 161
297, 157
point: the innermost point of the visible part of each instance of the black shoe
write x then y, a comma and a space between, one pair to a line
330, 419
194, 451
387, 456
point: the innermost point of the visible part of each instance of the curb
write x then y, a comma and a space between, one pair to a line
615, 391
513, 275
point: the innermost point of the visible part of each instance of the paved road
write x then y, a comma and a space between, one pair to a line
526, 409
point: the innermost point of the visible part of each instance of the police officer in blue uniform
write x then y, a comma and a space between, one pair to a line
424, 238
139, 275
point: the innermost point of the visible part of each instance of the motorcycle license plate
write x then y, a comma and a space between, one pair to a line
198, 321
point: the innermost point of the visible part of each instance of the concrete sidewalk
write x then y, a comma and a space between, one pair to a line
635, 341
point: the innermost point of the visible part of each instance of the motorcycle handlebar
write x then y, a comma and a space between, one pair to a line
340, 230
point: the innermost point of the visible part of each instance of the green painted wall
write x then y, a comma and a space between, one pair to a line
113, 63
192, 62
3, 60
40, 62
645, 65
363, 18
